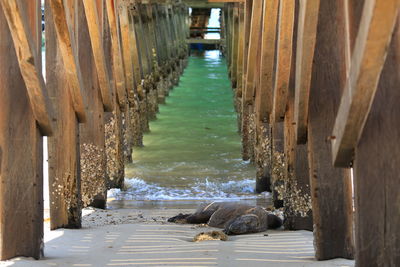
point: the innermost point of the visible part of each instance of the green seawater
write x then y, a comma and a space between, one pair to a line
193, 151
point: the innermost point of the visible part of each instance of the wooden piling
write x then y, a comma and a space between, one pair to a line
64, 175
330, 187
376, 177
21, 146
92, 133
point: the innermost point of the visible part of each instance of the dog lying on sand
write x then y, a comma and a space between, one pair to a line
234, 218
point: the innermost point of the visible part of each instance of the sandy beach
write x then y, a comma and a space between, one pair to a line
142, 237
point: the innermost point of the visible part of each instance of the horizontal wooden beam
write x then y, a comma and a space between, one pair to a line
28, 60
374, 35
202, 4
205, 41
70, 60
226, 1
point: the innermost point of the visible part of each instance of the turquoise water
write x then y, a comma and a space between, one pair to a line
193, 150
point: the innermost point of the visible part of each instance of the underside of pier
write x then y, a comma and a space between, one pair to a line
315, 87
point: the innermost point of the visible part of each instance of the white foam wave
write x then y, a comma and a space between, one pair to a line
138, 189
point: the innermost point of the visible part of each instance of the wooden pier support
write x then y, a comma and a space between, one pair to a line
330, 187
64, 175
376, 176
22, 91
103, 63
315, 86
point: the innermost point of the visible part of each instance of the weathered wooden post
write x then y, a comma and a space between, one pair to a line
133, 133
24, 118
240, 60
98, 90
141, 65
248, 115
366, 129
63, 78
268, 178
114, 120
296, 192
319, 76
376, 176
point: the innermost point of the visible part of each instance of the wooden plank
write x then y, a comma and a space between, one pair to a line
374, 35
204, 41
376, 176
308, 20
117, 62
202, 4
28, 60
264, 94
284, 55
226, 1
21, 155
68, 52
93, 21
330, 187
255, 27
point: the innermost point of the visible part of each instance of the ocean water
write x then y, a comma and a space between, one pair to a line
193, 151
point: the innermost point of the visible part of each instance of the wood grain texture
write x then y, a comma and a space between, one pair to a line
376, 176
284, 53
61, 21
29, 61
264, 94
117, 62
307, 31
63, 146
92, 133
298, 174
94, 22
123, 17
21, 157
255, 28
240, 54
330, 187
370, 50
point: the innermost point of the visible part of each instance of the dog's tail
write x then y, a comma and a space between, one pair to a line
274, 221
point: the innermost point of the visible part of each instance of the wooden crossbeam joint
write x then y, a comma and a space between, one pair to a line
370, 50
68, 54
28, 62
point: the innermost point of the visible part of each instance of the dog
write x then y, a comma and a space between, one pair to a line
234, 218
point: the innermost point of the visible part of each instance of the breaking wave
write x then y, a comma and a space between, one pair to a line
138, 189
